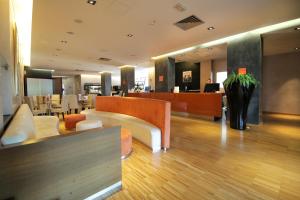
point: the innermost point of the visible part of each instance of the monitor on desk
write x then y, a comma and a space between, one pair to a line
212, 87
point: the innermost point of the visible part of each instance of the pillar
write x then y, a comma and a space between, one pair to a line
105, 84
164, 74
205, 73
247, 52
127, 78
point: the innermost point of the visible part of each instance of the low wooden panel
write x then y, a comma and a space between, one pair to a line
71, 166
153, 111
209, 104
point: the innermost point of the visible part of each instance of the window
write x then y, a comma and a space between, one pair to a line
221, 77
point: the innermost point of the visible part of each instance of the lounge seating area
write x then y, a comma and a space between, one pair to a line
149, 100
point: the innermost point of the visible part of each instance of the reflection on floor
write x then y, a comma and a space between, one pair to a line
208, 160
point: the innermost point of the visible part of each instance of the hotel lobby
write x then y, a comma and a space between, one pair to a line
158, 100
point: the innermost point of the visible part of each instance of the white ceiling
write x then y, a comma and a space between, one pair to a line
105, 26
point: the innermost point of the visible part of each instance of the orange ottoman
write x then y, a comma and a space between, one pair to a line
71, 120
126, 143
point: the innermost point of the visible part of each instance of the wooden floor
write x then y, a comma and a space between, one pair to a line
208, 160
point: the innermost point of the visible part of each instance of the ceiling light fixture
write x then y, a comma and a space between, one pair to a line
210, 28
297, 28
21, 15
92, 2
152, 23
103, 72
64, 41
51, 70
78, 21
70, 33
297, 48
266, 29
130, 35
124, 66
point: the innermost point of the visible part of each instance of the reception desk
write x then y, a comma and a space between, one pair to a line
207, 104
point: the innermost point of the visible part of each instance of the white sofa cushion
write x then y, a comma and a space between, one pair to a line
46, 126
24, 127
21, 127
141, 130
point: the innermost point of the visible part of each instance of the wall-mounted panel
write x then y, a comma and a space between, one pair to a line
182, 70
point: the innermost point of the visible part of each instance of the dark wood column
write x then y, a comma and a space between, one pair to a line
105, 84
164, 74
127, 78
247, 52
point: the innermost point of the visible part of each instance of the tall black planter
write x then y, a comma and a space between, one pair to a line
238, 98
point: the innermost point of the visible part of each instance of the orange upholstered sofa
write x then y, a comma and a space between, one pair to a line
208, 104
140, 110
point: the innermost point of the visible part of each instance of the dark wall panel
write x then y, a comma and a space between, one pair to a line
187, 66
57, 86
247, 52
33, 73
164, 74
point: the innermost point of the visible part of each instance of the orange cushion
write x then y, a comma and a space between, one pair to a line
71, 120
126, 142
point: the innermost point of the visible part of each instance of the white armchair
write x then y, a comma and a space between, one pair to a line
36, 110
63, 108
73, 103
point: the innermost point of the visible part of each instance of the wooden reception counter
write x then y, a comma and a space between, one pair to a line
208, 104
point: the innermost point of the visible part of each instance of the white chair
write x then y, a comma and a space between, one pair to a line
73, 103
34, 109
55, 100
63, 108
91, 101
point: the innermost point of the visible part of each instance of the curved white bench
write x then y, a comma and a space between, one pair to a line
141, 130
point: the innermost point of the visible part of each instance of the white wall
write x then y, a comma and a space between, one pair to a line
115, 79
6, 79
86, 78
219, 65
205, 73
68, 85
281, 83
142, 74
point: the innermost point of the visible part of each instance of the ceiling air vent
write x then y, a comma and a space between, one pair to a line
104, 59
179, 7
189, 22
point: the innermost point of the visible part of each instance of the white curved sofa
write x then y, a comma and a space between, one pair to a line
25, 126
141, 130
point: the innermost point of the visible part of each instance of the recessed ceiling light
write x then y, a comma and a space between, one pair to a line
92, 2
297, 28
179, 7
152, 23
58, 49
78, 21
130, 35
64, 41
104, 59
297, 48
210, 28
70, 33
132, 55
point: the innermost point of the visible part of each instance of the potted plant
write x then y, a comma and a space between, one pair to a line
239, 89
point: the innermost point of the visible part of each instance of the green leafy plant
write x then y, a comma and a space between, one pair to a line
244, 79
